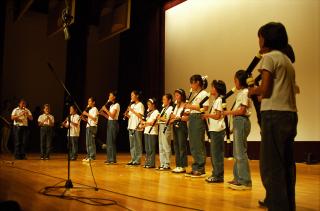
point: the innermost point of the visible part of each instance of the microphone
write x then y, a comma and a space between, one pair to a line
66, 19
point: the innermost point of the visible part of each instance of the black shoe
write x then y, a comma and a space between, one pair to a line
130, 163
214, 180
150, 167
262, 203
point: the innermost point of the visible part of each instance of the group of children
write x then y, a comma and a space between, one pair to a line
182, 117
189, 117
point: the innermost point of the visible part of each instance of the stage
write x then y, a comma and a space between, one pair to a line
137, 188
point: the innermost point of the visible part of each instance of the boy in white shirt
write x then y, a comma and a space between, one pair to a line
20, 117
46, 123
216, 127
91, 129
73, 132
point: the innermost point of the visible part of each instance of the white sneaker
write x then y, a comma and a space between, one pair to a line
179, 170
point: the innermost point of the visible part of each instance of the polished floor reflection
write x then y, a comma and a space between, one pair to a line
136, 188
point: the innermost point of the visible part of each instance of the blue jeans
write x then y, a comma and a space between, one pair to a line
20, 134
277, 165
91, 133
180, 136
73, 147
112, 132
217, 153
150, 147
241, 169
196, 140
46, 136
165, 145
135, 139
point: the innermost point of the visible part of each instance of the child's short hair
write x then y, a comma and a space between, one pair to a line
242, 76
46, 105
220, 86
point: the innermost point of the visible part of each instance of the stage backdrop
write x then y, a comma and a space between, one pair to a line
218, 37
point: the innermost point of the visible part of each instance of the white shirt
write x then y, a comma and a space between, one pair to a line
243, 99
23, 119
133, 121
94, 113
44, 119
177, 111
112, 108
216, 124
283, 96
74, 130
167, 112
149, 119
198, 99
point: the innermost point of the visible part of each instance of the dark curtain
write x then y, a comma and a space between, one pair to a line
2, 32
141, 62
141, 52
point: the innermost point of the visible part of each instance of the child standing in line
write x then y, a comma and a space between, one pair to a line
20, 117
46, 123
151, 133
112, 113
135, 113
165, 134
278, 117
91, 113
180, 132
73, 131
197, 125
216, 127
241, 130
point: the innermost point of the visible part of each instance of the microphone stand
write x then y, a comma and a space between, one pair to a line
68, 183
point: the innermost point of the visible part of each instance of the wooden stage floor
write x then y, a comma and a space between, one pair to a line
137, 188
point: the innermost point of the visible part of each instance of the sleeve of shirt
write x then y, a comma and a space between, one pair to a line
76, 119
205, 95
169, 110
244, 100
154, 115
14, 111
267, 63
140, 109
52, 119
40, 118
117, 107
95, 112
218, 105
